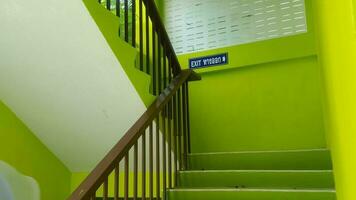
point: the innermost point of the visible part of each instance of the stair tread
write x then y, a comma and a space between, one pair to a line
259, 171
257, 178
261, 151
250, 194
230, 189
307, 159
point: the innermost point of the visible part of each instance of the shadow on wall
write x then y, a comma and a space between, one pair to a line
16, 186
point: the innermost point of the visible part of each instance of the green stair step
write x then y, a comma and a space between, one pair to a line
249, 194
257, 179
313, 159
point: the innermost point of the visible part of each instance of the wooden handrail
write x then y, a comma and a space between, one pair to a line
118, 152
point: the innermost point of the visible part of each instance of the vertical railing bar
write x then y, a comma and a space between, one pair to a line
159, 67
154, 60
116, 182
94, 196
158, 190
141, 34
126, 20
148, 71
118, 7
144, 165
151, 160
164, 156
188, 117
164, 69
105, 189
175, 135
184, 118
169, 139
133, 21
135, 178
175, 66
126, 181
170, 69
179, 130
108, 4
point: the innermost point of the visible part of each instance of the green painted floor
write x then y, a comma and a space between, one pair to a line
257, 175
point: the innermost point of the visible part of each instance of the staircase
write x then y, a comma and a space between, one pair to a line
153, 160
260, 175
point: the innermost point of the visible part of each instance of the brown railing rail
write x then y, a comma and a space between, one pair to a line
170, 115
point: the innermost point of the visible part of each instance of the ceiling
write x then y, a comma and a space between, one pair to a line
60, 77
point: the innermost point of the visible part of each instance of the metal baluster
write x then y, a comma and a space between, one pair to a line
164, 69
126, 20
116, 182
144, 166
105, 189
148, 71
126, 182
135, 181
159, 68
154, 60
151, 160
118, 7
175, 136
169, 144
158, 191
164, 156
184, 118
141, 34
188, 116
133, 21
170, 69
179, 129
108, 4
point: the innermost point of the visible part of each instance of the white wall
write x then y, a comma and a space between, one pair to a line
59, 76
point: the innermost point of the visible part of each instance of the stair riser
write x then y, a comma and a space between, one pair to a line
255, 179
312, 160
226, 195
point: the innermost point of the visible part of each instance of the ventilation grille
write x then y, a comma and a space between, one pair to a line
196, 25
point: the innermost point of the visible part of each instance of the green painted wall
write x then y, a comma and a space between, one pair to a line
22, 150
263, 107
267, 97
337, 49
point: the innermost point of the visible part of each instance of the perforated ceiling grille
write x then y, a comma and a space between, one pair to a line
196, 25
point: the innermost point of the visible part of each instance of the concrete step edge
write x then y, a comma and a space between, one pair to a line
259, 152
250, 190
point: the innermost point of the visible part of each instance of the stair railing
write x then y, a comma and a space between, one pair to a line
167, 122
142, 27
158, 143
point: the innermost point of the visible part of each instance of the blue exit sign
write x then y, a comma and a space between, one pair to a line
208, 61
